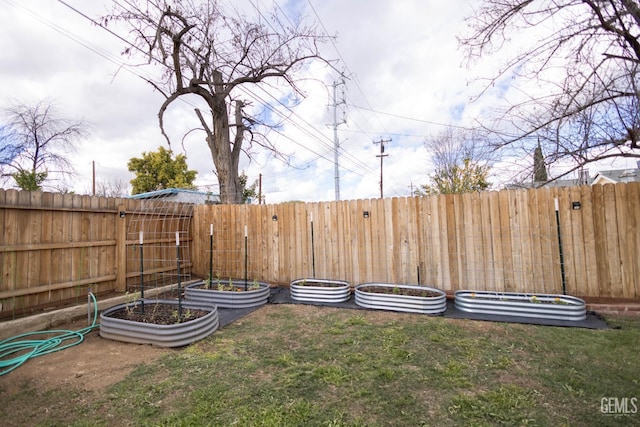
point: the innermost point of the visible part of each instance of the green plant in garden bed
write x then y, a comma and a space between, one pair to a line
287, 365
399, 290
230, 286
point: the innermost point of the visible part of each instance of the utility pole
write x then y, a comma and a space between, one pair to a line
382, 156
260, 189
336, 142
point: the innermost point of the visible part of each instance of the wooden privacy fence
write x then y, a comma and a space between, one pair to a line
54, 247
503, 241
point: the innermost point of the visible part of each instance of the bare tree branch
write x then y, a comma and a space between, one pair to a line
42, 142
583, 56
211, 55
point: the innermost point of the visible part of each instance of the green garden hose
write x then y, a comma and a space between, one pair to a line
30, 348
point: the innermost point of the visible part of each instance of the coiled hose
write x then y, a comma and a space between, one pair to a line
39, 347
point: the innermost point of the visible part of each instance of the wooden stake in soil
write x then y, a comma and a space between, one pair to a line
210, 255
178, 262
141, 274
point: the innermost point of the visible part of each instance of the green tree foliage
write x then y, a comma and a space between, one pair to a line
456, 179
248, 193
29, 181
539, 168
158, 170
460, 162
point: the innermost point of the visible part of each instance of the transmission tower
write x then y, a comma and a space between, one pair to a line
336, 123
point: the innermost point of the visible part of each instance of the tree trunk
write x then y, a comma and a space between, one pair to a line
225, 157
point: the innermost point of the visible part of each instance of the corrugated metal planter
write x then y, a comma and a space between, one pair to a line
235, 296
175, 335
394, 297
543, 306
320, 290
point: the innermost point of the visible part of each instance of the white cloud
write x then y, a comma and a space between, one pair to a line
401, 58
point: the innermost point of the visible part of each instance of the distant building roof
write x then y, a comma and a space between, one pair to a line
181, 195
602, 177
615, 176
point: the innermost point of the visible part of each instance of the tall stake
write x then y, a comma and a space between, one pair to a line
210, 255
245, 257
141, 274
178, 262
564, 281
313, 251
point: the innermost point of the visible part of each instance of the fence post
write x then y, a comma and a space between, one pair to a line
121, 249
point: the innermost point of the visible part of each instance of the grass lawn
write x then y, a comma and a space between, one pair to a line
298, 365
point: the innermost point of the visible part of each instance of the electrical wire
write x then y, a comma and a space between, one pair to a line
319, 137
30, 348
306, 128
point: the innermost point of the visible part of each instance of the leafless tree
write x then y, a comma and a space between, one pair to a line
211, 53
461, 162
112, 188
452, 146
41, 144
583, 56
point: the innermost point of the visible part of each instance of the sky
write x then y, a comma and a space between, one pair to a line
405, 80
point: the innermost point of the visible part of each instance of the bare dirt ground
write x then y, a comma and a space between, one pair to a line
94, 364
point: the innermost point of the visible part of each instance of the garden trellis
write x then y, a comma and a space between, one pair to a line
158, 234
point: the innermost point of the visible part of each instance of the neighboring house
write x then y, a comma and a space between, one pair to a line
603, 177
616, 176
181, 195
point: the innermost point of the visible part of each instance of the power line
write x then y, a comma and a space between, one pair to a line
355, 80
309, 129
353, 160
411, 118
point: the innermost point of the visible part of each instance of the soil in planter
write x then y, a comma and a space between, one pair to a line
400, 291
158, 314
321, 284
532, 300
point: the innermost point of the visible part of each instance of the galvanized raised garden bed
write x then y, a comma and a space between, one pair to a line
404, 298
173, 335
320, 290
542, 306
229, 293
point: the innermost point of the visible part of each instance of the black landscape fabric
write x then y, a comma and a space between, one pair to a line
593, 321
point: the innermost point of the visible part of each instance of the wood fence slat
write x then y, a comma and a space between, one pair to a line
612, 241
370, 244
604, 287
535, 241
589, 242
467, 239
451, 237
624, 231
633, 236
507, 245
566, 236
439, 243
495, 233
379, 245
420, 232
